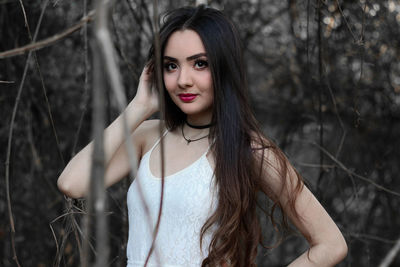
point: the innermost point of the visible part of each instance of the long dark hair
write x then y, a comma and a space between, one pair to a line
238, 143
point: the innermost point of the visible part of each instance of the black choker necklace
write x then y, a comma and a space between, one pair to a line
192, 140
198, 126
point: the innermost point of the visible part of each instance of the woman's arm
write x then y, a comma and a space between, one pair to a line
327, 245
74, 180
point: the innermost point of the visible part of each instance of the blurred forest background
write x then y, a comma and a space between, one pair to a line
325, 83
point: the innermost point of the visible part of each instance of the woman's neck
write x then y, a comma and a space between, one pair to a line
198, 120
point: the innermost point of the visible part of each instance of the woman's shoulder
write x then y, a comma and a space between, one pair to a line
259, 142
148, 133
265, 150
149, 125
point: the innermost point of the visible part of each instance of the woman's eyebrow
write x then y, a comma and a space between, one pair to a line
196, 56
170, 59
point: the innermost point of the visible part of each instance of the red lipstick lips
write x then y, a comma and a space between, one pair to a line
187, 97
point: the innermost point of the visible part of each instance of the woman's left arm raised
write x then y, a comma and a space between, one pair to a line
327, 244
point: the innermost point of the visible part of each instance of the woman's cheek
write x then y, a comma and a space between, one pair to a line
169, 83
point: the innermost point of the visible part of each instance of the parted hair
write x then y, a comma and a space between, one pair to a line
238, 145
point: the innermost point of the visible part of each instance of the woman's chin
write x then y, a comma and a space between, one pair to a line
195, 109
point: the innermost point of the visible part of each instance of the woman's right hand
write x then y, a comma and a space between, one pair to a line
75, 179
146, 97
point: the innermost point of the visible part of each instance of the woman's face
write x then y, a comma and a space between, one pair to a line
187, 76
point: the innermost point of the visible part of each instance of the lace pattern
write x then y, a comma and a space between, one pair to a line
189, 200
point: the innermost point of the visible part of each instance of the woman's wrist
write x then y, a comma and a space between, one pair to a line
137, 109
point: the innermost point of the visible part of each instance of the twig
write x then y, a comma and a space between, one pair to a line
50, 118
83, 236
308, 44
86, 86
53, 127
391, 255
121, 52
148, 18
70, 227
313, 165
157, 68
55, 239
77, 228
43, 88
350, 172
48, 41
67, 214
357, 87
335, 109
10, 135
84, 255
320, 117
104, 40
97, 188
35, 155
346, 22
139, 20
371, 237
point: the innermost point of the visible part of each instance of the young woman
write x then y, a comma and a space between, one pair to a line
216, 158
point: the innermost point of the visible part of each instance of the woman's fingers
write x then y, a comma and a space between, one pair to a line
145, 95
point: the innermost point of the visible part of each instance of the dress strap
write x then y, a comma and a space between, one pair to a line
158, 140
209, 147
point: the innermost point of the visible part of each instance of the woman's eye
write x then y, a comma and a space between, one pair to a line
170, 66
201, 64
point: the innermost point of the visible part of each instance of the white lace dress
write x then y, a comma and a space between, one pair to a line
189, 200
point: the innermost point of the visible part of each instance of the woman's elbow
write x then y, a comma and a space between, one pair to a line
66, 187
338, 250
342, 249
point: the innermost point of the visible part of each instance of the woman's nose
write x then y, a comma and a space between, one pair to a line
185, 78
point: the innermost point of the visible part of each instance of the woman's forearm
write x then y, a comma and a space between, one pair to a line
74, 180
321, 256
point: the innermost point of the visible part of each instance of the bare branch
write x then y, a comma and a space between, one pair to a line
313, 165
84, 256
108, 56
357, 87
86, 86
35, 155
48, 41
371, 237
10, 135
320, 93
43, 88
346, 22
350, 172
72, 218
391, 255
97, 187
158, 74
336, 111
